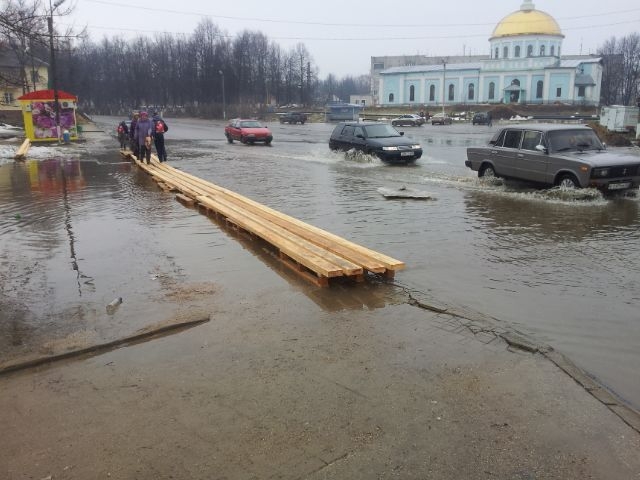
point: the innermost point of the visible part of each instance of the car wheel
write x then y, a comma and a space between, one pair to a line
267, 142
243, 140
229, 139
568, 182
487, 172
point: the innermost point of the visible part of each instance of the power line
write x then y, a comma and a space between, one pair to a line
327, 24
350, 39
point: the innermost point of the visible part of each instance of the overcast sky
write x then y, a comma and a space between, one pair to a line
342, 36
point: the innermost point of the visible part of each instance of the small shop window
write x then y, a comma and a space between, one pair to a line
581, 91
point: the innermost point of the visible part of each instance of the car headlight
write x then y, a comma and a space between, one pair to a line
415, 147
601, 172
388, 149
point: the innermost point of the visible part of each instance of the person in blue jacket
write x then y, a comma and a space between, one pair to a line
143, 136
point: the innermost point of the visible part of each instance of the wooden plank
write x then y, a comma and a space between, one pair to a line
370, 260
304, 243
301, 255
21, 153
349, 268
186, 201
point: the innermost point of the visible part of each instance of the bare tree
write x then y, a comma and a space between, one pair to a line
621, 75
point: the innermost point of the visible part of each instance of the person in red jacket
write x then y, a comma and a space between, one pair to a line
160, 127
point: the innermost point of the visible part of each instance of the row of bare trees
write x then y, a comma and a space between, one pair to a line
188, 71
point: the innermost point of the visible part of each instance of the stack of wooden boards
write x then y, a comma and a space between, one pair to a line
310, 251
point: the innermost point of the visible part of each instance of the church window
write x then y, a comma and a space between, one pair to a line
542, 50
497, 52
539, 87
412, 93
471, 91
530, 51
553, 50
451, 92
581, 91
391, 98
492, 91
505, 52
432, 93
559, 92
517, 51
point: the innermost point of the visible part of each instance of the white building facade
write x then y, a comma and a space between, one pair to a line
525, 66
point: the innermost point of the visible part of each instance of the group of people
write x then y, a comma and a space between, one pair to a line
142, 131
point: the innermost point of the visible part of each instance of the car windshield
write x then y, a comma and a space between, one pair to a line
380, 131
573, 140
250, 124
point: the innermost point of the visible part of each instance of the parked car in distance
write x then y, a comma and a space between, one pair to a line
409, 120
379, 139
481, 118
441, 119
247, 131
293, 118
568, 156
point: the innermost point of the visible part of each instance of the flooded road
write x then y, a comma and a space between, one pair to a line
80, 227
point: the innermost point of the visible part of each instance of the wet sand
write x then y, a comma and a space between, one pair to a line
282, 383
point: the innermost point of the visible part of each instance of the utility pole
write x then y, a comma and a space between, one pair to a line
54, 79
224, 100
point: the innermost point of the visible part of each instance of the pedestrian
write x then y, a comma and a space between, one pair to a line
132, 132
489, 121
160, 128
143, 136
123, 134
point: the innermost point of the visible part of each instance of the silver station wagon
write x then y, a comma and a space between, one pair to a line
568, 156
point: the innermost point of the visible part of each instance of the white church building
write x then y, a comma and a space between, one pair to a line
525, 65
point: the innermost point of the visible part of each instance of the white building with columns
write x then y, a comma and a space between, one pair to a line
525, 65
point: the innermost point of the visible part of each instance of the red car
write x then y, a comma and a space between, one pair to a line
247, 131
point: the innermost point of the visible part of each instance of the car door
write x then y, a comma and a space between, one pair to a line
359, 140
504, 155
530, 163
234, 130
346, 137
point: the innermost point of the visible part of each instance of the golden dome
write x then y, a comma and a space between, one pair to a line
527, 21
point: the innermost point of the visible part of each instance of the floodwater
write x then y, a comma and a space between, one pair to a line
79, 227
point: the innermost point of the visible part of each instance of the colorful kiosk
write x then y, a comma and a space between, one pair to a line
39, 115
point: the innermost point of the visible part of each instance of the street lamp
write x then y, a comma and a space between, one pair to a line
54, 80
224, 102
444, 80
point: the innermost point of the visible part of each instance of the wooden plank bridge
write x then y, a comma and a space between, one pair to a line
313, 253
